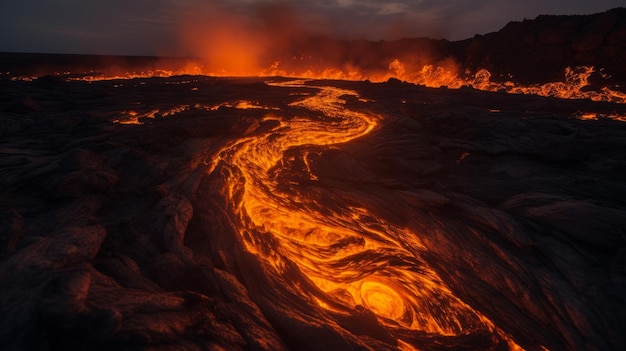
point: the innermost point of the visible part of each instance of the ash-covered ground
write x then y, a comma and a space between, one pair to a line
122, 236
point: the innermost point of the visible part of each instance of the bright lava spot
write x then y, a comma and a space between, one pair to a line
382, 300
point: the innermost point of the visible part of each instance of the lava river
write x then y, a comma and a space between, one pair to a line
349, 260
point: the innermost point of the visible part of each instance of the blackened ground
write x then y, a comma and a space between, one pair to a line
115, 236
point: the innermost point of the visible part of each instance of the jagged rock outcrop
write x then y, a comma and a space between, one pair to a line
532, 51
538, 50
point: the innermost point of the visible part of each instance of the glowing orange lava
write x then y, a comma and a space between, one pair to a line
572, 87
355, 259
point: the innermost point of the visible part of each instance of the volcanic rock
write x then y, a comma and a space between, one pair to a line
129, 236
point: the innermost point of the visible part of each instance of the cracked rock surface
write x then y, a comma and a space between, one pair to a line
117, 236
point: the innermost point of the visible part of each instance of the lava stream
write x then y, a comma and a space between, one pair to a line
355, 258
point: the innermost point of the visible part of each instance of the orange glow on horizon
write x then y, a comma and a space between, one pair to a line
574, 85
227, 44
275, 43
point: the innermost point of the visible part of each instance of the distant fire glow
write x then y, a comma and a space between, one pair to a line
223, 44
572, 87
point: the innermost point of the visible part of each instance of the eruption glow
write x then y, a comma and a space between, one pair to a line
574, 86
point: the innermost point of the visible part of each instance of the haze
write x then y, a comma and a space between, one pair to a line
162, 27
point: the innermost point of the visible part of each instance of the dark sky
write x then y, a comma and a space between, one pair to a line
153, 27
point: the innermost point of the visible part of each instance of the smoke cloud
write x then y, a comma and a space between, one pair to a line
153, 27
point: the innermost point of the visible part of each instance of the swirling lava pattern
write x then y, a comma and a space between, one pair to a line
358, 261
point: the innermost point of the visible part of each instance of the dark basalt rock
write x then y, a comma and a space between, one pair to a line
88, 174
12, 225
120, 237
537, 51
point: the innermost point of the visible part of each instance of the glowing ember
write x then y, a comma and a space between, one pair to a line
134, 117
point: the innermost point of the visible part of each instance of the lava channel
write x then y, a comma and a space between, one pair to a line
352, 260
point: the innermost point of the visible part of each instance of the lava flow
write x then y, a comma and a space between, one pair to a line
354, 259
574, 86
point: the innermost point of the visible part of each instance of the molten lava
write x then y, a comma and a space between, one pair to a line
574, 86
356, 259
